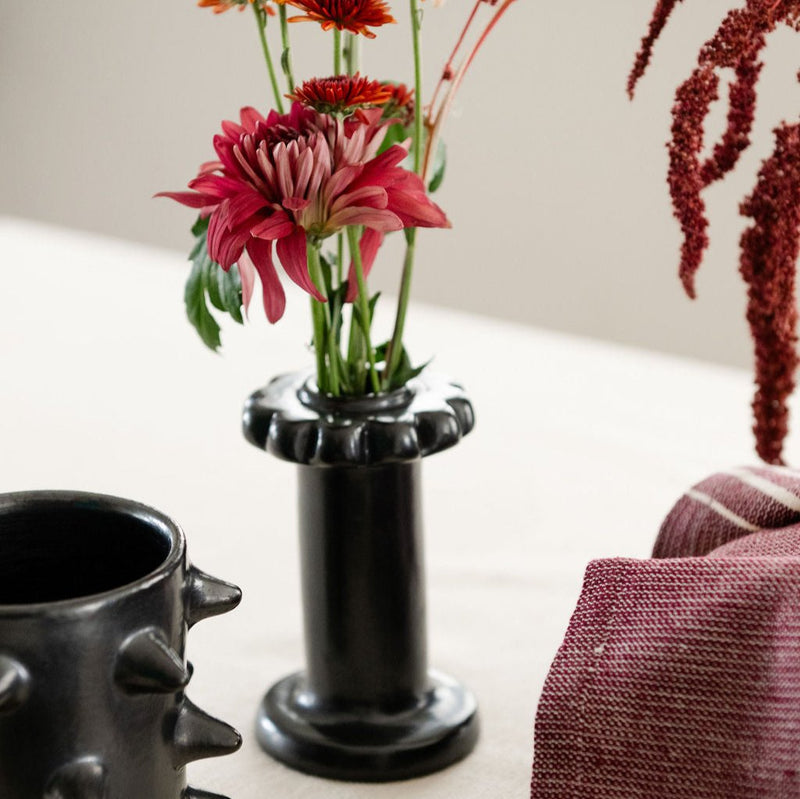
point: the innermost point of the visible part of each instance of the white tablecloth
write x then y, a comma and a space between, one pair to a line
580, 449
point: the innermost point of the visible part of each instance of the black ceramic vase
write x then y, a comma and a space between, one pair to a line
96, 596
366, 707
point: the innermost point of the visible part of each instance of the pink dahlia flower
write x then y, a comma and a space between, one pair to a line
289, 177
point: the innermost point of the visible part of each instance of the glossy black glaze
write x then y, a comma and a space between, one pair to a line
365, 708
96, 596
293, 422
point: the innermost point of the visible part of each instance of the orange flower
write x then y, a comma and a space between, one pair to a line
341, 93
356, 16
400, 105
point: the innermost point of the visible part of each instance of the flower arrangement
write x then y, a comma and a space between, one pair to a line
319, 181
770, 245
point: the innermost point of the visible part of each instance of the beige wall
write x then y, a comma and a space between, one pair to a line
556, 184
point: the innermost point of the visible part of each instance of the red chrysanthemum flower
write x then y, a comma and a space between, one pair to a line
355, 16
219, 6
302, 175
400, 105
341, 93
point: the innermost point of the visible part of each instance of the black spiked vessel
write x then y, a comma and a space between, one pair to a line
96, 597
366, 707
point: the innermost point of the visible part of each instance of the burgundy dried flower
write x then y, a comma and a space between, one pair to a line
768, 263
741, 111
769, 248
692, 102
660, 15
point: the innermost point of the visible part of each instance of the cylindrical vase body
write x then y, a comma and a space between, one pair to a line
363, 584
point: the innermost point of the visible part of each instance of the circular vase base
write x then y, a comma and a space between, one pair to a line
368, 745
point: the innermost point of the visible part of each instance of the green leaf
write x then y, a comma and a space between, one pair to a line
439, 164
209, 280
336, 304
230, 291
404, 372
224, 289
196, 309
358, 316
373, 303
211, 283
327, 274
200, 226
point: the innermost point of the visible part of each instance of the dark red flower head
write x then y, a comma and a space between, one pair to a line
285, 179
400, 105
341, 94
356, 16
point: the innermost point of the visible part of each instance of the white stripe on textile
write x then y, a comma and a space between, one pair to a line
772, 490
721, 510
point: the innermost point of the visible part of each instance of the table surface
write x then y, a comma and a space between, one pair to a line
579, 451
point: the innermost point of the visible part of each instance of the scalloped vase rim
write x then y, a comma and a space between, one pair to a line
291, 420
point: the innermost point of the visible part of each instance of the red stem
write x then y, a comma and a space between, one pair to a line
447, 71
441, 115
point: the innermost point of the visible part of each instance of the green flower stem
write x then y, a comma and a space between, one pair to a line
356, 355
339, 258
261, 20
286, 55
323, 324
319, 345
363, 304
395, 349
352, 52
337, 51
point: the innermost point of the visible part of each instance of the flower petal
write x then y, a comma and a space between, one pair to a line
250, 118
376, 218
292, 252
275, 226
244, 206
273, 295
247, 276
370, 196
225, 244
296, 203
187, 198
414, 207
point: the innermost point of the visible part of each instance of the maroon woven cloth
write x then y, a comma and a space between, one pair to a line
679, 676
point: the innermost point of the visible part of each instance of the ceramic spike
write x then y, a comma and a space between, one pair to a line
198, 735
81, 779
14, 684
196, 793
147, 664
208, 596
